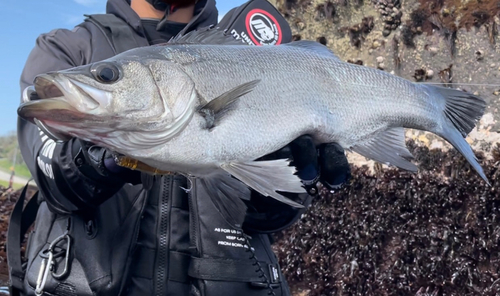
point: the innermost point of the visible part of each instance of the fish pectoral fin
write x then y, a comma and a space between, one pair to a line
266, 177
214, 110
388, 148
227, 195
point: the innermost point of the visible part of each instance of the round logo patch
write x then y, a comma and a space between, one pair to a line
263, 28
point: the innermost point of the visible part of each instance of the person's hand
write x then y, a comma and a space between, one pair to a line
98, 163
326, 163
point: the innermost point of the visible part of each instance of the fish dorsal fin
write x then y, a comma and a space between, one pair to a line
207, 35
313, 46
216, 108
388, 148
267, 177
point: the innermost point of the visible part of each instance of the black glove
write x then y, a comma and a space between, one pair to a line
326, 164
334, 167
97, 163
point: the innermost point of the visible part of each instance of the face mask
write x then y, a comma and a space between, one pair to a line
164, 4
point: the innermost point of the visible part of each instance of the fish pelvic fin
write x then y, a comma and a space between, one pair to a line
462, 111
388, 147
267, 177
214, 110
227, 195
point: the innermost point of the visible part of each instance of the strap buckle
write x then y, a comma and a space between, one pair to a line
48, 262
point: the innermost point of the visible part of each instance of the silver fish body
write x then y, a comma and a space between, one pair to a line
203, 109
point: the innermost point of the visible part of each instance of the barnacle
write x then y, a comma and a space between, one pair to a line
391, 13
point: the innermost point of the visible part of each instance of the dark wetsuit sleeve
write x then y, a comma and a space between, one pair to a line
52, 164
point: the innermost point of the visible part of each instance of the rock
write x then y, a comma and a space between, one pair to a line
433, 50
386, 32
429, 74
380, 59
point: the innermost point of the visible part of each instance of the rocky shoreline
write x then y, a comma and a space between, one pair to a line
436, 232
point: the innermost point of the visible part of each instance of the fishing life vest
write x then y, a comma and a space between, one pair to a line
106, 252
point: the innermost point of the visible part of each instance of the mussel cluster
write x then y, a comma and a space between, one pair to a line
8, 197
392, 232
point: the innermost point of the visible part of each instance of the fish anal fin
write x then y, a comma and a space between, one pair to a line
214, 110
267, 177
389, 148
227, 195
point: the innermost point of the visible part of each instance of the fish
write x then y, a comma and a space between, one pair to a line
206, 106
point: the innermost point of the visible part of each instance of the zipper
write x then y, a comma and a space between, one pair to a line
135, 238
163, 232
193, 219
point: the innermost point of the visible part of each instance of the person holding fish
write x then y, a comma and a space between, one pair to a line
104, 229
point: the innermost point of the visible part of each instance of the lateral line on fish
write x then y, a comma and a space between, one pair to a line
436, 83
471, 84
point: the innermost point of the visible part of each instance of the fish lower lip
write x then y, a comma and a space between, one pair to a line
33, 109
37, 111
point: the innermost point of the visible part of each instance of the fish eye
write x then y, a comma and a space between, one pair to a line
106, 73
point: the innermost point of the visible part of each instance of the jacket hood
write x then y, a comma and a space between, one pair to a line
206, 14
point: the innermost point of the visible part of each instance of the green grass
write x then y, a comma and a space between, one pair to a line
15, 185
21, 170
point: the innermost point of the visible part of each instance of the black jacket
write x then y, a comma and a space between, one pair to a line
62, 49
67, 190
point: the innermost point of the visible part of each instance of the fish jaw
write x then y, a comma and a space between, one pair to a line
67, 99
59, 105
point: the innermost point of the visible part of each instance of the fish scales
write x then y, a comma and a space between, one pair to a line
334, 90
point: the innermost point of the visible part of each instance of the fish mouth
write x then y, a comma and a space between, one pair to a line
56, 99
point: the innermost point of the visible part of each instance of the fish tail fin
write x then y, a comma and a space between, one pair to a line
462, 110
